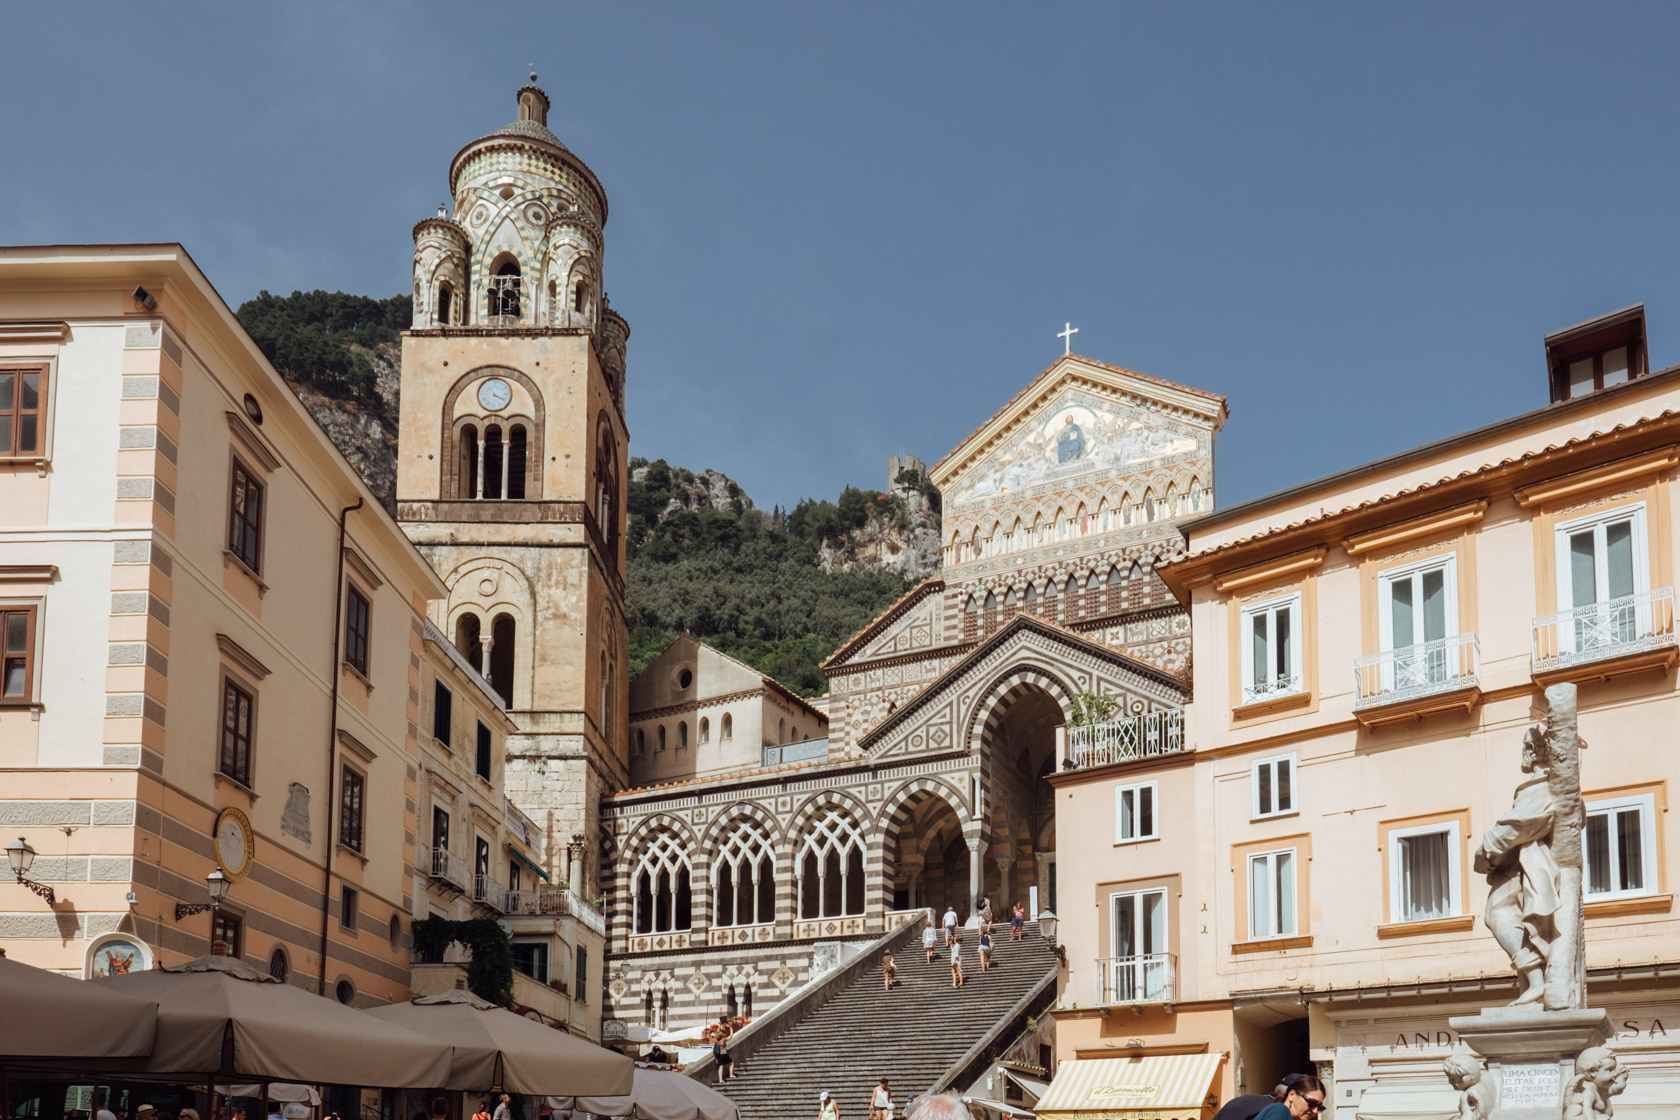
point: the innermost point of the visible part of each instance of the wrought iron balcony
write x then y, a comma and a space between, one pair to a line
451, 868
1261, 691
1398, 676
1126, 739
490, 893
554, 902
1151, 978
1628, 627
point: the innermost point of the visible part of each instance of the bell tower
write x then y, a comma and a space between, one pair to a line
513, 460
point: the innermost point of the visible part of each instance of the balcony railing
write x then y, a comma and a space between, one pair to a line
451, 868
796, 752
1261, 691
1426, 669
1152, 978
1127, 739
1603, 631
489, 892
554, 902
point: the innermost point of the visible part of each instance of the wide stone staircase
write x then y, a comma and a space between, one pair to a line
921, 1034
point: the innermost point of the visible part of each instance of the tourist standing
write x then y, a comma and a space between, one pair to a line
889, 973
720, 1049
881, 1106
956, 964
504, 1110
930, 940
950, 925
483, 1112
985, 948
830, 1109
1017, 922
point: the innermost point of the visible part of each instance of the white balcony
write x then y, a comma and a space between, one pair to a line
1622, 635
1412, 681
1126, 739
1262, 691
554, 902
451, 869
491, 893
1135, 981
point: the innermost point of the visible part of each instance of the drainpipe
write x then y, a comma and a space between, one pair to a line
332, 737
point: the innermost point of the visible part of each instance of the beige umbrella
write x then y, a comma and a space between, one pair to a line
496, 1049
53, 1016
660, 1095
221, 1019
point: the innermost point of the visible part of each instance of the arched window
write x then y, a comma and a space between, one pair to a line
730, 1007
682, 733
744, 877
505, 285
1009, 599
493, 461
445, 303
746, 1001
468, 474
830, 868
502, 632
781, 731
728, 729
660, 745
641, 741
606, 721
1072, 585
991, 601
1136, 572
516, 456
467, 630
705, 730
1030, 597
1093, 583
580, 296
663, 902
973, 604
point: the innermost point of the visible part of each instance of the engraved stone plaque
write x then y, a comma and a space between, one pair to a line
1530, 1086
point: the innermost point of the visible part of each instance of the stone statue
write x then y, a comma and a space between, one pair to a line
1475, 1097
1516, 856
1599, 1075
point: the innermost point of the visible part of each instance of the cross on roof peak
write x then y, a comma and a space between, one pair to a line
1066, 335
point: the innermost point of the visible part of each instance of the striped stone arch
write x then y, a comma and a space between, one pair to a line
1006, 690
716, 834
803, 817
741, 810
815, 804
624, 867
895, 811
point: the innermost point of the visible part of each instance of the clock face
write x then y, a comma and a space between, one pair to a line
494, 394
235, 845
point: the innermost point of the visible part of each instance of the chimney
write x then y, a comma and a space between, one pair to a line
533, 103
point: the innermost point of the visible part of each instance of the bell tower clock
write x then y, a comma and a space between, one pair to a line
512, 463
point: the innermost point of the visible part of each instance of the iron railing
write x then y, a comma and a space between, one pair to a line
1257, 691
1150, 978
451, 868
1396, 675
489, 892
555, 901
1128, 738
1601, 631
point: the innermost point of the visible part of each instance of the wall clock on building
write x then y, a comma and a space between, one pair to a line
236, 844
494, 394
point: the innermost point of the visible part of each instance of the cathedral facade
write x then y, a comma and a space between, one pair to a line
945, 714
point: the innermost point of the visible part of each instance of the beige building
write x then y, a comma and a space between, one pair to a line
695, 711
179, 544
479, 856
1296, 888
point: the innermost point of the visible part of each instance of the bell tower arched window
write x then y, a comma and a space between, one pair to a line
505, 290
445, 303
494, 461
468, 473
502, 633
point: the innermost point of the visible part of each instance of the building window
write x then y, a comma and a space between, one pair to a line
1140, 968
1417, 607
484, 752
236, 732
17, 641
351, 800
1271, 649
682, 733
1620, 848
345, 992
1423, 873
1271, 894
744, 872
279, 967
1134, 812
23, 396
728, 729
531, 958
349, 908
829, 870
443, 711
358, 614
230, 931
1601, 559
663, 901
1274, 786
705, 730
581, 992
482, 883
504, 294
445, 301
660, 745
1599, 371
641, 741
440, 830
245, 518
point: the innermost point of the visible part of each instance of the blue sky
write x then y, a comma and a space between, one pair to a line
844, 230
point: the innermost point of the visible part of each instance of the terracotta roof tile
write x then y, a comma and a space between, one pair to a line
1089, 361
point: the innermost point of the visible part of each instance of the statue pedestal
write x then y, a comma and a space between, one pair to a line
1530, 1054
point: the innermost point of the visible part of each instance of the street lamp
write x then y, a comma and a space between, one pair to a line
22, 857
218, 884
1047, 925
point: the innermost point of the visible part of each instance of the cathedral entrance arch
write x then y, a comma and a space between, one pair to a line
1016, 733
925, 852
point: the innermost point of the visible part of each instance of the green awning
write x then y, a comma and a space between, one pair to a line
526, 860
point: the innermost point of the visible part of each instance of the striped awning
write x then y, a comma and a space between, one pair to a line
1155, 1087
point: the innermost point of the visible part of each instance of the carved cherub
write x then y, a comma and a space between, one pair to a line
1475, 1099
1599, 1075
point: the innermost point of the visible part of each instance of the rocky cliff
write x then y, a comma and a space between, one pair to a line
364, 429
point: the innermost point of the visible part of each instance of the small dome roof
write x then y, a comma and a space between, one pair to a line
531, 130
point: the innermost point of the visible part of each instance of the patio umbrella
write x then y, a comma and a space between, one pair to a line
53, 1016
494, 1048
660, 1095
221, 1019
